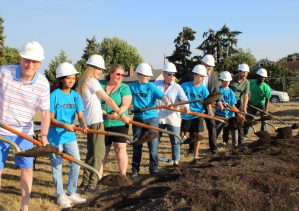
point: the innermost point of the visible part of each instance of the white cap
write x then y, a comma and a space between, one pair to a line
65, 69
209, 60
200, 69
169, 67
144, 69
225, 76
97, 61
243, 67
262, 72
33, 51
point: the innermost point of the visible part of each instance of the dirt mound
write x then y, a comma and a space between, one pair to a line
263, 175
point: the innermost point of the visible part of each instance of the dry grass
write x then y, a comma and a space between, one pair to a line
43, 193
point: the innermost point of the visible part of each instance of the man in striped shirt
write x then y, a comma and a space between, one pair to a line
23, 90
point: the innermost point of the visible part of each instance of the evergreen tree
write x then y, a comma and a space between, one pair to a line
51, 71
91, 48
181, 56
2, 40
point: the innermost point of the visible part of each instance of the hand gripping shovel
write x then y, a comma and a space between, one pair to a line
149, 135
49, 149
209, 100
107, 133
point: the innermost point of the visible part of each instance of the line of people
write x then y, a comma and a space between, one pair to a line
103, 105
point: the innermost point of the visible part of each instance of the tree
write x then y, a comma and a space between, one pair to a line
118, 51
2, 40
91, 48
181, 56
11, 55
242, 56
221, 44
51, 71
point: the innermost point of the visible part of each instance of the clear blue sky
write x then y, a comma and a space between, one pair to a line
269, 27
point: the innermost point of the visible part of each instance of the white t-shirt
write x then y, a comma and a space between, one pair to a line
92, 103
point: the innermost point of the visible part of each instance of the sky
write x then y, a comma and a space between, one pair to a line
270, 28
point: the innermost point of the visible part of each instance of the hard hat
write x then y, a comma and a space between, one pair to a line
243, 67
225, 76
33, 51
200, 69
65, 69
169, 67
97, 61
144, 69
262, 72
209, 60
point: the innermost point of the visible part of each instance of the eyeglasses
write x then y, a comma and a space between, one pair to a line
119, 74
171, 74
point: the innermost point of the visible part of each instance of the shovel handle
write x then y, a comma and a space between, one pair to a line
274, 117
106, 133
63, 155
12, 143
165, 107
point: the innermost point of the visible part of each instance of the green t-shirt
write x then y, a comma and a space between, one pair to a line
239, 88
123, 90
259, 93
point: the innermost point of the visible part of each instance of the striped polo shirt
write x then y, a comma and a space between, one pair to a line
20, 100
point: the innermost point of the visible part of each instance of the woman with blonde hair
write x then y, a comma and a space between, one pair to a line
92, 93
122, 96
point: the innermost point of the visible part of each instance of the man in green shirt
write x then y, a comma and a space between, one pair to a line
241, 86
260, 94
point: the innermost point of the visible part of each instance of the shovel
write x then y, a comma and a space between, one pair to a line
284, 132
12, 143
217, 118
54, 149
209, 100
237, 112
107, 133
145, 139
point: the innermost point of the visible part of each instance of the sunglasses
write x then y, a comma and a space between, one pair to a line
119, 74
170, 74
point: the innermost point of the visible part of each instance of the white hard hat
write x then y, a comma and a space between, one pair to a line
243, 67
209, 60
262, 72
65, 69
169, 67
144, 69
33, 51
97, 61
200, 69
225, 76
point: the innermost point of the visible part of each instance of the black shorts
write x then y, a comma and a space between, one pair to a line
192, 125
118, 129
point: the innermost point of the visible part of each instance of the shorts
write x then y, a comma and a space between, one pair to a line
192, 125
23, 162
116, 139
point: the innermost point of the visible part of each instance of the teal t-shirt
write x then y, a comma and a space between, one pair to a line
229, 97
195, 93
65, 107
259, 93
122, 90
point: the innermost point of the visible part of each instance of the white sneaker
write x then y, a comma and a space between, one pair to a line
76, 199
63, 201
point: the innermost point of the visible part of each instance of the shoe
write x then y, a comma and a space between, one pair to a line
135, 174
63, 201
175, 163
90, 190
76, 199
154, 173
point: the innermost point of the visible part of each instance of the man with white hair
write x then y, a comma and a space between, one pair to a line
23, 91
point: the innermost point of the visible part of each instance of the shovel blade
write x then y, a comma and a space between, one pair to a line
43, 151
147, 137
212, 98
116, 180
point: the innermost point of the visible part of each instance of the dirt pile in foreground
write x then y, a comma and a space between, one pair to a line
258, 176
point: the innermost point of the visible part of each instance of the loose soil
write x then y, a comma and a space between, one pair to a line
262, 175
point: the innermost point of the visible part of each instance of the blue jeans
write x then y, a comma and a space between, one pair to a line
152, 145
253, 112
70, 148
175, 142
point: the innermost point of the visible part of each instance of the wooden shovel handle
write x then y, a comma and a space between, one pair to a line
102, 132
